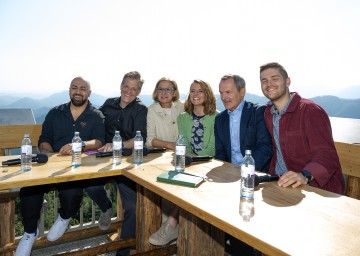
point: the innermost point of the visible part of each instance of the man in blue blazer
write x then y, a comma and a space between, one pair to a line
239, 127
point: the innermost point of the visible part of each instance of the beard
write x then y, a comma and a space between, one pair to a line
78, 103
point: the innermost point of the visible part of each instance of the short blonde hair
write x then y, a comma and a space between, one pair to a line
173, 82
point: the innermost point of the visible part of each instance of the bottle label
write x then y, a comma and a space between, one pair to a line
26, 150
247, 170
117, 145
180, 150
76, 147
138, 144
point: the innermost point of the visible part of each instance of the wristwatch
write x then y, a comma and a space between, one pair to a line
83, 145
308, 176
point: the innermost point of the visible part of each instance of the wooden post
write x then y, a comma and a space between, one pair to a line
353, 187
7, 213
120, 212
197, 237
148, 215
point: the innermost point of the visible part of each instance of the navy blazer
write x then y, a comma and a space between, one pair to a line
254, 135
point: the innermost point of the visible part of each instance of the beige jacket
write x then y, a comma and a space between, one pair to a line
161, 126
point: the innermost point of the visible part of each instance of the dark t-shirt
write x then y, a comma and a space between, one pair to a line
127, 120
59, 126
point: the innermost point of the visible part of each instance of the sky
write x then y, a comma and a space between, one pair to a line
45, 44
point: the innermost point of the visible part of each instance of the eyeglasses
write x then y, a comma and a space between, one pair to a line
165, 90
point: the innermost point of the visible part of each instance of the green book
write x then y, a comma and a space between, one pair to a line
180, 178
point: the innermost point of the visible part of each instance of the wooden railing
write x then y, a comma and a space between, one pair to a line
349, 155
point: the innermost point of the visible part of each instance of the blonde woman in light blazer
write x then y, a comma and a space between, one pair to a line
162, 128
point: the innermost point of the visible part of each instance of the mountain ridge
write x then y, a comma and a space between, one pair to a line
334, 106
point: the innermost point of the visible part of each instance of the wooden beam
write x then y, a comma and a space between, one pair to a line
162, 251
69, 236
105, 248
7, 228
148, 214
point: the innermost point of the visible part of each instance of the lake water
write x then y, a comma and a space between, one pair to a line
345, 129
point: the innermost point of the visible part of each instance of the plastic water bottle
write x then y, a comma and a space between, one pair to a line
76, 150
117, 146
26, 153
247, 176
138, 148
180, 150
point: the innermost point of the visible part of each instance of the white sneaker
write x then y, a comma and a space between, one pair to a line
58, 229
26, 243
105, 219
165, 235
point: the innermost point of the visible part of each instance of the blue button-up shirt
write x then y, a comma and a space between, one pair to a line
281, 167
234, 119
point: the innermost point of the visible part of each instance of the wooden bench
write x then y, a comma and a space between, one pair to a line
11, 136
349, 155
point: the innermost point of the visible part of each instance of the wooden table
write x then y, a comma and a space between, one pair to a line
58, 169
287, 221
301, 221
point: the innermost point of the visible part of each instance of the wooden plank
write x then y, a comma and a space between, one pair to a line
105, 248
350, 164
162, 251
11, 135
148, 215
6, 194
120, 211
7, 228
197, 237
353, 187
349, 155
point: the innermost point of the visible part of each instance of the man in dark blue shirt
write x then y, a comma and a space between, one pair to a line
57, 132
126, 114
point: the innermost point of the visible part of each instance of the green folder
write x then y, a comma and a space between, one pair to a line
180, 178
